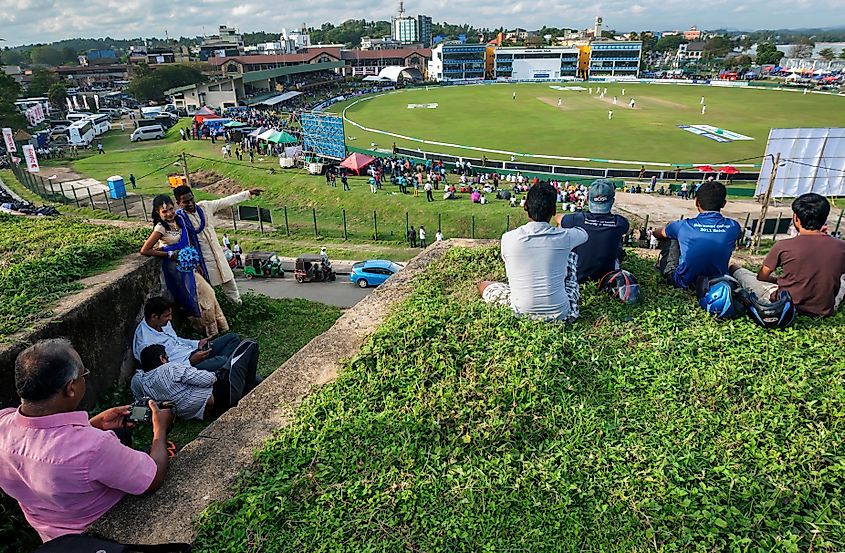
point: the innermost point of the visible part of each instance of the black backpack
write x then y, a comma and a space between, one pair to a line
81, 543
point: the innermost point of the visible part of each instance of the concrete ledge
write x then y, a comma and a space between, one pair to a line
99, 320
205, 470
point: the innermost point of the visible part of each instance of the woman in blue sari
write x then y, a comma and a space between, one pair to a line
183, 268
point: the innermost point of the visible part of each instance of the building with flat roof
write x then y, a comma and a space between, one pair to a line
455, 61
615, 58
535, 63
227, 42
409, 29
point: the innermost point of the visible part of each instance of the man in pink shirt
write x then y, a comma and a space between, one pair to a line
65, 470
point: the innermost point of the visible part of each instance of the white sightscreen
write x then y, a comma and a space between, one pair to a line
530, 68
814, 162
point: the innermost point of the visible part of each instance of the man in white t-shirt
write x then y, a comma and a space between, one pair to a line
422, 237
541, 268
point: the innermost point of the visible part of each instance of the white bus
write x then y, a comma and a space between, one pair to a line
78, 115
100, 122
80, 133
26, 103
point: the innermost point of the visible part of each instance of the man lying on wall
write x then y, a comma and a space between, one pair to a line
197, 394
64, 469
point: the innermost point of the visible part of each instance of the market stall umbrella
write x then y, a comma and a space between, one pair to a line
257, 131
356, 162
234, 125
282, 138
706, 169
267, 134
729, 170
204, 113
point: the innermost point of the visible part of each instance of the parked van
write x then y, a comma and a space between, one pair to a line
150, 132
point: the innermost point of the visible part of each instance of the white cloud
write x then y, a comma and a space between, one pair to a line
32, 21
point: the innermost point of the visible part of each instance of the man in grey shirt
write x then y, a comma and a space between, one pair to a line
541, 268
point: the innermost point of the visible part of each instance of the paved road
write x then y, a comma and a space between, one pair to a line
340, 293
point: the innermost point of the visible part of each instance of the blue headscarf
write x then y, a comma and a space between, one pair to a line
191, 234
179, 273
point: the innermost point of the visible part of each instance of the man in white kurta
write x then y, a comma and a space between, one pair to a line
219, 272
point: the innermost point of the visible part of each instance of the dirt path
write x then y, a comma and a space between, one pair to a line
665, 209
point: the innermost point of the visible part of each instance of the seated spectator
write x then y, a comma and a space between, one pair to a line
197, 394
603, 251
205, 354
813, 263
540, 264
699, 246
64, 470
475, 196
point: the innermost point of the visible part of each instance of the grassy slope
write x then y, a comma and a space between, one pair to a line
463, 428
487, 116
301, 192
281, 327
43, 258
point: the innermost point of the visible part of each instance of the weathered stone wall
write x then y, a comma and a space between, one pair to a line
99, 320
205, 469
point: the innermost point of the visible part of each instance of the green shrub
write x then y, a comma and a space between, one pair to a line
461, 427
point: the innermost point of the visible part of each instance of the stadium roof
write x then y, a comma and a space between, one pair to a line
253, 76
382, 54
279, 98
304, 56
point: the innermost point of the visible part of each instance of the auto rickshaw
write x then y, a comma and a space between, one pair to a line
263, 264
310, 268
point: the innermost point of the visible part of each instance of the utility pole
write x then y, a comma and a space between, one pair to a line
187, 173
758, 232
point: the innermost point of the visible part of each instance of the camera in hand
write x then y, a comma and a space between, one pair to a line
141, 412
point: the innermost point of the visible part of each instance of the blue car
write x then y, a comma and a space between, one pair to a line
372, 272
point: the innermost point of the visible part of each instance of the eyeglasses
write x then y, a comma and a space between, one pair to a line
85, 372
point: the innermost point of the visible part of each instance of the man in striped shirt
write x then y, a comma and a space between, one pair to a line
190, 389
196, 393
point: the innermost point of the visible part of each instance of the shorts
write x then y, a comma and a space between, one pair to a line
497, 293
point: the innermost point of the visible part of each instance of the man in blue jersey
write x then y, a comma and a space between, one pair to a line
701, 246
603, 251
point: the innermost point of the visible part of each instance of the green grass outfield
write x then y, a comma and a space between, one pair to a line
487, 116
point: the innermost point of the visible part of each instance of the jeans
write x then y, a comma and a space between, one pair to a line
239, 379
669, 259
221, 349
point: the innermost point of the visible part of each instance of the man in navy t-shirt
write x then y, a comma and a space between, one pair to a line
603, 251
702, 245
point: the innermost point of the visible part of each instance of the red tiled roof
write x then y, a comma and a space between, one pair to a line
380, 54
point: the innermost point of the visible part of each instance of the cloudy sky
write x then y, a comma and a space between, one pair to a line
31, 21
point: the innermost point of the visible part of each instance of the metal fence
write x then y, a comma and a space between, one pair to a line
338, 223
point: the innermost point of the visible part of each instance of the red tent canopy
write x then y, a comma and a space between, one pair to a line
706, 169
729, 170
204, 113
356, 162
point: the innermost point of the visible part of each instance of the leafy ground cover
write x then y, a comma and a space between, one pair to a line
281, 327
42, 259
460, 427
488, 116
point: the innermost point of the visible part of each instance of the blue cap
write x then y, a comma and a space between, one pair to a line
601, 195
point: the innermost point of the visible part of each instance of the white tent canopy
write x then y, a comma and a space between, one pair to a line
394, 72
812, 160
266, 134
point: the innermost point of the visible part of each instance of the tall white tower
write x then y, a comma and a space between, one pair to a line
597, 32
